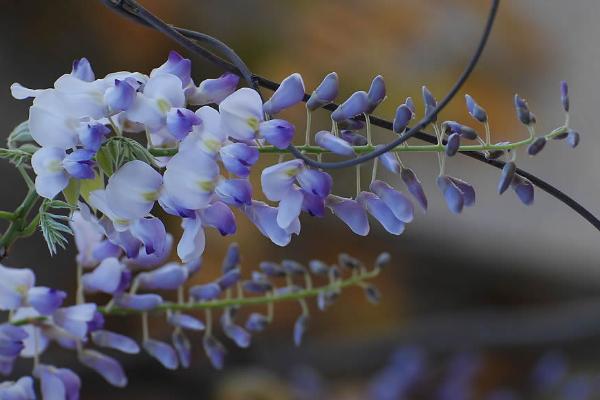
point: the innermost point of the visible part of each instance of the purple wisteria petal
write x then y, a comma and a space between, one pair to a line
265, 219
31, 348
232, 258
107, 277
51, 177
278, 179
79, 164
234, 192
58, 383
289, 208
430, 102
190, 179
333, 143
219, 216
467, 190
11, 340
453, 144
522, 109
213, 91
463, 130
48, 124
175, 65
192, 242
215, 351
475, 110
168, 277
239, 335
572, 138
241, 114
564, 95
106, 366
182, 347
382, 213
356, 104
151, 232
238, 158
206, 292
390, 161
74, 319
139, 302
376, 93
290, 92
14, 284
256, 322
120, 96
229, 278
116, 341
396, 201
413, 184
133, 189
325, 93
312, 204
351, 212
506, 177
316, 182
278, 132
180, 122
92, 135
45, 300
403, 116
351, 124
82, 70
452, 194
163, 352
208, 136
149, 261
186, 322
300, 328
524, 189
22, 389
355, 139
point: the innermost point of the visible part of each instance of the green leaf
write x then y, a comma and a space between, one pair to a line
52, 228
20, 134
105, 160
15, 156
89, 185
71, 192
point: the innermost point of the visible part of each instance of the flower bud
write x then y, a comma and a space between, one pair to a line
325, 93
300, 328
215, 351
162, 352
382, 260
524, 189
403, 116
536, 146
356, 104
564, 95
333, 143
277, 132
318, 267
256, 322
206, 292
506, 177
453, 144
475, 110
430, 102
573, 138
522, 110
376, 93
355, 139
452, 194
414, 186
289, 93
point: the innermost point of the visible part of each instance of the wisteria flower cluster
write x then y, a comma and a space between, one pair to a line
111, 155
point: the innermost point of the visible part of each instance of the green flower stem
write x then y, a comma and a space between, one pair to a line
7, 215
18, 226
431, 148
354, 280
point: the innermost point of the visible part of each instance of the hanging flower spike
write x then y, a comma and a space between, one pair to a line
475, 110
290, 92
376, 93
403, 116
356, 104
333, 143
325, 93
349, 211
277, 132
213, 91
175, 65
430, 102
241, 114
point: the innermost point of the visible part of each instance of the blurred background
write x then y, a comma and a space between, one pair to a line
500, 301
